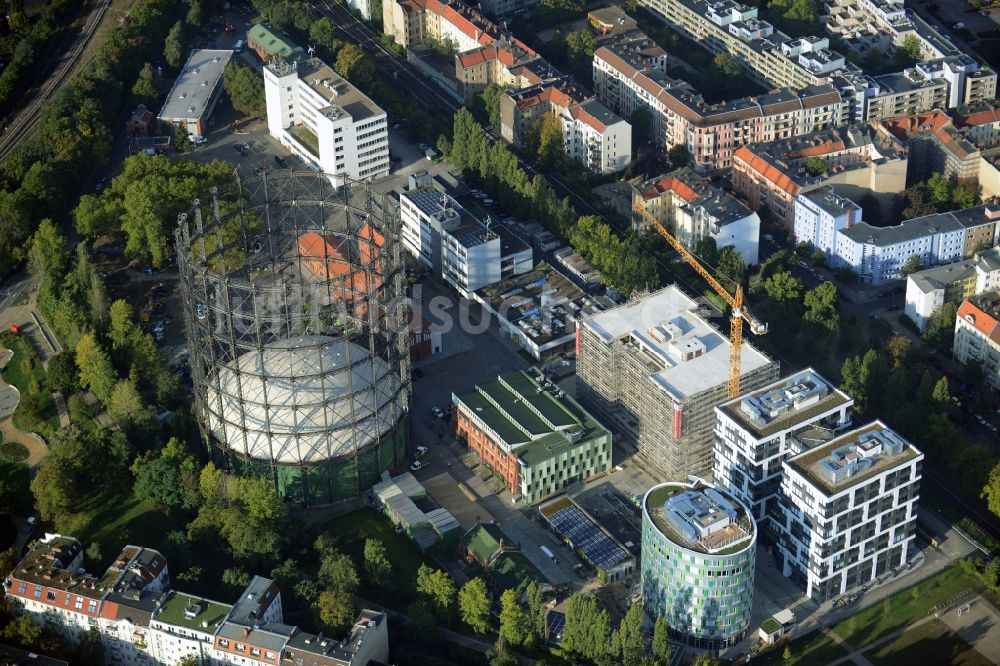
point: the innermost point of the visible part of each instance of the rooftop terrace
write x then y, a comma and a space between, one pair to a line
191, 612
700, 517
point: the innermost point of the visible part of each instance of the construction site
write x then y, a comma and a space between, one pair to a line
294, 307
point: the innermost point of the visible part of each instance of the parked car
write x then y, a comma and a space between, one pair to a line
437, 412
281, 161
421, 450
416, 466
197, 139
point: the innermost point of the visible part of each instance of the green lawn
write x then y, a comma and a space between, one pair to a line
930, 643
350, 531
903, 607
24, 373
117, 519
814, 649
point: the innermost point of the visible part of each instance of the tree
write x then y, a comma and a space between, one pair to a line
121, 326
515, 627
731, 264
821, 307
438, 587
168, 478
908, 52
235, 579
705, 659
628, 643
174, 47
196, 13
786, 655
991, 574
912, 265
126, 406
96, 372
815, 166
62, 374
354, 66
897, 347
144, 91
92, 218
501, 655
189, 660
337, 572
377, 564
941, 393
245, 88
990, 492
551, 147
679, 156
535, 606
783, 287
587, 627
707, 250
47, 254
322, 32
335, 609
727, 63
474, 605
661, 642
581, 43
818, 257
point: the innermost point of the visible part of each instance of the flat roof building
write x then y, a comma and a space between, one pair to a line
537, 438
539, 309
593, 542
699, 546
324, 119
927, 291
192, 98
848, 510
654, 369
759, 430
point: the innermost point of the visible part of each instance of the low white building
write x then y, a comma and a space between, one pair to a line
191, 101
184, 625
820, 214
693, 209
322, 118
756, 432
848, 510
928, 290
465, 252
977, 335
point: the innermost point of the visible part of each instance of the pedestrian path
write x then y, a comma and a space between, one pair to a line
98, 410
57, 397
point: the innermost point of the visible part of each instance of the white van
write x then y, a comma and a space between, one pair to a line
239, 46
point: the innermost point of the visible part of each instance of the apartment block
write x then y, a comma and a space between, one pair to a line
654, 370
593, 135
628, 75
927, 291
856, 159
322, 118
693, 209
877, 254
820, 216
467, 253
977, 335
935, 145
699, 546
849, 510
507, 63
756, 432
770, 57
537, 438
410, 22
141, 621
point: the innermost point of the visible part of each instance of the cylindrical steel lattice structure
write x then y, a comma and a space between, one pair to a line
295, 311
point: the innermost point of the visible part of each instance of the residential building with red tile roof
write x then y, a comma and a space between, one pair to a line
693, 209
507, 63
593, 134
629, 74
857, 159
410, 22
935, 145
977, 335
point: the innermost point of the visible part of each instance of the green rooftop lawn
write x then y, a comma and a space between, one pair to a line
306, 137
173, 612
930, 643
902, 608
770, 625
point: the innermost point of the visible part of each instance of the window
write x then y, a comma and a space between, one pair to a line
22, 588
223, 643
79, 603
240, 647
38, 591
92, 606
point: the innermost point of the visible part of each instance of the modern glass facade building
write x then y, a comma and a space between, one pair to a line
699, 544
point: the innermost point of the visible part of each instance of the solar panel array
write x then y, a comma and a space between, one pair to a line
555, 622
599, 549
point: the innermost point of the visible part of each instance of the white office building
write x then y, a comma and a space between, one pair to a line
820, 214
848, 510
467, 253
322, 118
756, 432
928, 290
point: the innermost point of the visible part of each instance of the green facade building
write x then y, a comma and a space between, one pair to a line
699, 545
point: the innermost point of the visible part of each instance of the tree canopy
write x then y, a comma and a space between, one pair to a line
245, 88
474, 605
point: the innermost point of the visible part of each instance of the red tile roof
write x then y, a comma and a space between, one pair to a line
981, 321
767, 170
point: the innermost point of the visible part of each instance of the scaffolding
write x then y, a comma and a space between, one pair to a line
296, 317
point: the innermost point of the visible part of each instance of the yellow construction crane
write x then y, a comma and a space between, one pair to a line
735, 301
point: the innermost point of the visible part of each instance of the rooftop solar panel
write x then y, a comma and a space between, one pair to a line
599, 549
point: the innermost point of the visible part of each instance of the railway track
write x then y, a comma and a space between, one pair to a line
26, 120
